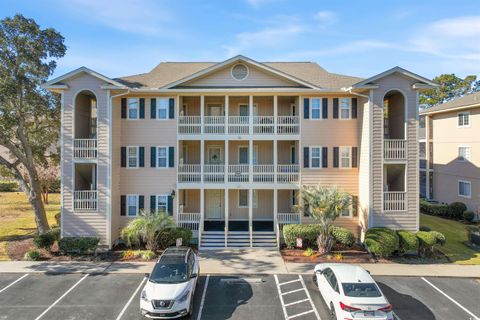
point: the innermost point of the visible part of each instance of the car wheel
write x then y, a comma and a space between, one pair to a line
314, 278
333, 315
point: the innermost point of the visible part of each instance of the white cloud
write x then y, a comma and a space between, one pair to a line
325, 17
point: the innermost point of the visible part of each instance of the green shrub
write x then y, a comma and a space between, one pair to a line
343, 236
32, 255
381, 241
168, 237
434, 209
136, 254
308, 233
45, 240
148, 255
425, 228
456, 210
81, 245
8, 186
309, 252
427, 240
441, 240
408, 241
468, 216
56, 232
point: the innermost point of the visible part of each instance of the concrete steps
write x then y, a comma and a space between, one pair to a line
238, 239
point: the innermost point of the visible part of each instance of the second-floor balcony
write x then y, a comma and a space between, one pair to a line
85, 200
394, 149
85, 148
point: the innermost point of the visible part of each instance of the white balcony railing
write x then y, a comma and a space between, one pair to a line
288, 125
394, 149
238, 124
287, 173
189, 125
189, 173
394, 201
214, 173
263, 125
189, 221
85, 148
85, 200
288, 218
214, 124
238, 172
263, 173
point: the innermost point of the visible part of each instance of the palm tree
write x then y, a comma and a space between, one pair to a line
146, 228
324, 205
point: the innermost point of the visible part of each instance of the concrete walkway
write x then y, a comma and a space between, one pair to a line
244, 261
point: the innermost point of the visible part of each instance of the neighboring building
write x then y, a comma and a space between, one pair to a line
453, 149
225, 147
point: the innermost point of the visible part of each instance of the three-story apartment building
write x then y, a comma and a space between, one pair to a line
226, 147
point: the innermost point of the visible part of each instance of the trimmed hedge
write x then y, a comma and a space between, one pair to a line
169, 237
468, 216
8, 186
343, 236
32, 255
427, 239
81, 245
456, 210
441, 240
310, 232
381, 241
408, 241
433, 209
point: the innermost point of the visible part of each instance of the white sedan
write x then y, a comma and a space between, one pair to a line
351, 293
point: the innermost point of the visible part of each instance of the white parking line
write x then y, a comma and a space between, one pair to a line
293, 291
300, 314
203, 298
308, 295
63, 296
11, 284
304, 288
395, 316
451, 299
295, 302
125, 307
281, 298
292, 281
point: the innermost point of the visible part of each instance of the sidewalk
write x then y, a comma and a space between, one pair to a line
248, 261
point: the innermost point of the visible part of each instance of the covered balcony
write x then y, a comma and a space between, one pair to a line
85, 126
394, 190
394, 126
85, 195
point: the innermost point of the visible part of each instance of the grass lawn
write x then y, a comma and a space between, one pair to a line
456, 235
17, 219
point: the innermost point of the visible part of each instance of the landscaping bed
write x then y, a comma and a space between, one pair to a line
355, 254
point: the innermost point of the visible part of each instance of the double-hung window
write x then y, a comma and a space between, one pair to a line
316, 105
348, 211
464, 189
316, 157
345, 157
463, 119
243, 199
345, 108
132, 157
463, 153
162, 108
162, 204
162, 157
133, 107
132, 205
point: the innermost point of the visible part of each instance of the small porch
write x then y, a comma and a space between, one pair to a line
85, 194
394, 188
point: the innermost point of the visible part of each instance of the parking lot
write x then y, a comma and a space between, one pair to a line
116, 297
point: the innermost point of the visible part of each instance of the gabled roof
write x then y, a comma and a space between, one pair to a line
465, 102
423, 83
57, 83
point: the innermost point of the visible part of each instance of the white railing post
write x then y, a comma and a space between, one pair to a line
202, 216
202, 114
250, 215
202, 159
275, 212
227, 111
227, 151
226, 206
275, 114
250, 160
85, 148
85, 200
250, 115
275, 160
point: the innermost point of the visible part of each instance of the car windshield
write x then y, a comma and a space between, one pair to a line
361, 290
169, 273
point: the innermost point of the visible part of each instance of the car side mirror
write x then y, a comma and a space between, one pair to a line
147, 275
194, 275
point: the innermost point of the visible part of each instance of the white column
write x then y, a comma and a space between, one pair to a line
226, 114
202, 112
202, 216
250, 113
250, 161
275, 114
225, 205
275, 210
250, 215
427, 156
275, 159
202, 157
227, 151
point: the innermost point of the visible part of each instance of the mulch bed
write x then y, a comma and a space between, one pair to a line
339, 255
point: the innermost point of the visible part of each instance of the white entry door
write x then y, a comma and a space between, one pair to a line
214, 205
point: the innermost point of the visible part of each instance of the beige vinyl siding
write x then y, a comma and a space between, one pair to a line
192, 200
85, 223
406, 220
264, 208
264, 151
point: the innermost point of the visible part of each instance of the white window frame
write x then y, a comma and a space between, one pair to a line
157, 197
319, 108
137, 100
467, 113
136, 205
340, 165
465, 182
468, 153
137, 157
319, 157
340, 107
166, 108
255, 198
157, 160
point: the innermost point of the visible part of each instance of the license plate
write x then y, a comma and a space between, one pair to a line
369, 313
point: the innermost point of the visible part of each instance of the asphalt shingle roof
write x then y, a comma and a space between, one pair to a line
467, 100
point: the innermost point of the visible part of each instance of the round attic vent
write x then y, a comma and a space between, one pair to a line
239, 71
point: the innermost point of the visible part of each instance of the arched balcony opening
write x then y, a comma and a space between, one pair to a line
394, 123
85, 125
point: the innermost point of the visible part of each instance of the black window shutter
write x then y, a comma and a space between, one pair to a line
124, 108
141, 202
170, 205
141, 153
153, 157
324, 157
325, 108
354, 108
335, 108
306, 108
306, 157
123, 205
354, 157
355, 206
335, 157
123, 157
171, 157
142, 108
153, 108
152, 203
171, 108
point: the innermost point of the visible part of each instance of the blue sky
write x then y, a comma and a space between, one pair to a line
360, 38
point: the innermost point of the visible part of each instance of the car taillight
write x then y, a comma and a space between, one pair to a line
388, 308
348, 308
